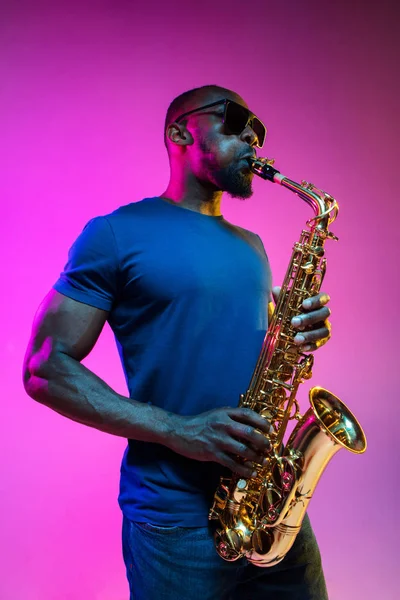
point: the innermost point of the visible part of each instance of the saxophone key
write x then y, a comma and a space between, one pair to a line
262, 541
241, 484
229, 543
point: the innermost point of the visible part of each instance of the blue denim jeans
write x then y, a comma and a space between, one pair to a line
181, 563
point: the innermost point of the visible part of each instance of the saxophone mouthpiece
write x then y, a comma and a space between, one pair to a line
263, 168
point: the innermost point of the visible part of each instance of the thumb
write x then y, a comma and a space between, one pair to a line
275, 292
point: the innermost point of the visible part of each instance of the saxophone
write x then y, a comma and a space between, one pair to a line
260, 517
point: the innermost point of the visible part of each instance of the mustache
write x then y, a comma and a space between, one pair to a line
246, 156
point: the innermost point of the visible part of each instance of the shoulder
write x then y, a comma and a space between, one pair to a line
253, 239
129, 213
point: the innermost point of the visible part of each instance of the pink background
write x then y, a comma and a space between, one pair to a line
84, 89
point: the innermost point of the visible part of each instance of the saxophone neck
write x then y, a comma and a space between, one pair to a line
324, 206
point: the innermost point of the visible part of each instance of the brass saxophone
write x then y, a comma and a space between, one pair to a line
260, 517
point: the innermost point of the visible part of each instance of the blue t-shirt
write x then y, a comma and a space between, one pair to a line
187, 297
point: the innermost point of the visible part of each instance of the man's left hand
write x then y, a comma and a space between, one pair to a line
313, 325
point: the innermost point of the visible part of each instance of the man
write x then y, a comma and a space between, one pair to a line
185, 293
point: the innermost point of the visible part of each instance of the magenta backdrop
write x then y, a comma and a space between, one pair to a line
83, 93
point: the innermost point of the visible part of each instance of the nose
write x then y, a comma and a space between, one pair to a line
249, 136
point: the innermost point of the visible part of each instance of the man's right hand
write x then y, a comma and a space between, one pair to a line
233, 437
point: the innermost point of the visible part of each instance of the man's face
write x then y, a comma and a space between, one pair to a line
218, 158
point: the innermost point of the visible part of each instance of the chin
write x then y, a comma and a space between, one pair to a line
241, 189
241, 195
236, 183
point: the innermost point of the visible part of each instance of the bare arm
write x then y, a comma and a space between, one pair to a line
64, 332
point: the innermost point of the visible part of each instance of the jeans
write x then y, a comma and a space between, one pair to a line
181, 563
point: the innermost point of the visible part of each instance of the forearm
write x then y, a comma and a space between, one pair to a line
68, 387
229, 436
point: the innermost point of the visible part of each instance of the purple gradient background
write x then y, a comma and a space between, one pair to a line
83, 93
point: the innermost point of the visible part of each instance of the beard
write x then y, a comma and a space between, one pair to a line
235, 181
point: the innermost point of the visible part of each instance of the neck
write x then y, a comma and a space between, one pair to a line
188, 192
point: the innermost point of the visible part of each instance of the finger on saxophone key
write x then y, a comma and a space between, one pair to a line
316, 301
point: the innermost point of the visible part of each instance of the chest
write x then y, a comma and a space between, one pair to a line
192, 260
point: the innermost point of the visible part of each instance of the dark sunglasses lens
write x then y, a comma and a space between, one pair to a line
259, 130
236, 117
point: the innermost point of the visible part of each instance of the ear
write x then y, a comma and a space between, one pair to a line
178, 134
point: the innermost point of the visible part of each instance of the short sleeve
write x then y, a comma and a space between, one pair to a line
262, 251
91, 273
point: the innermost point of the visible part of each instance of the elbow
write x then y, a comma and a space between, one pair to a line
35, 375
32, 381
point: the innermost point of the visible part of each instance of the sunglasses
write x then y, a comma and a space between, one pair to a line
236, 118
